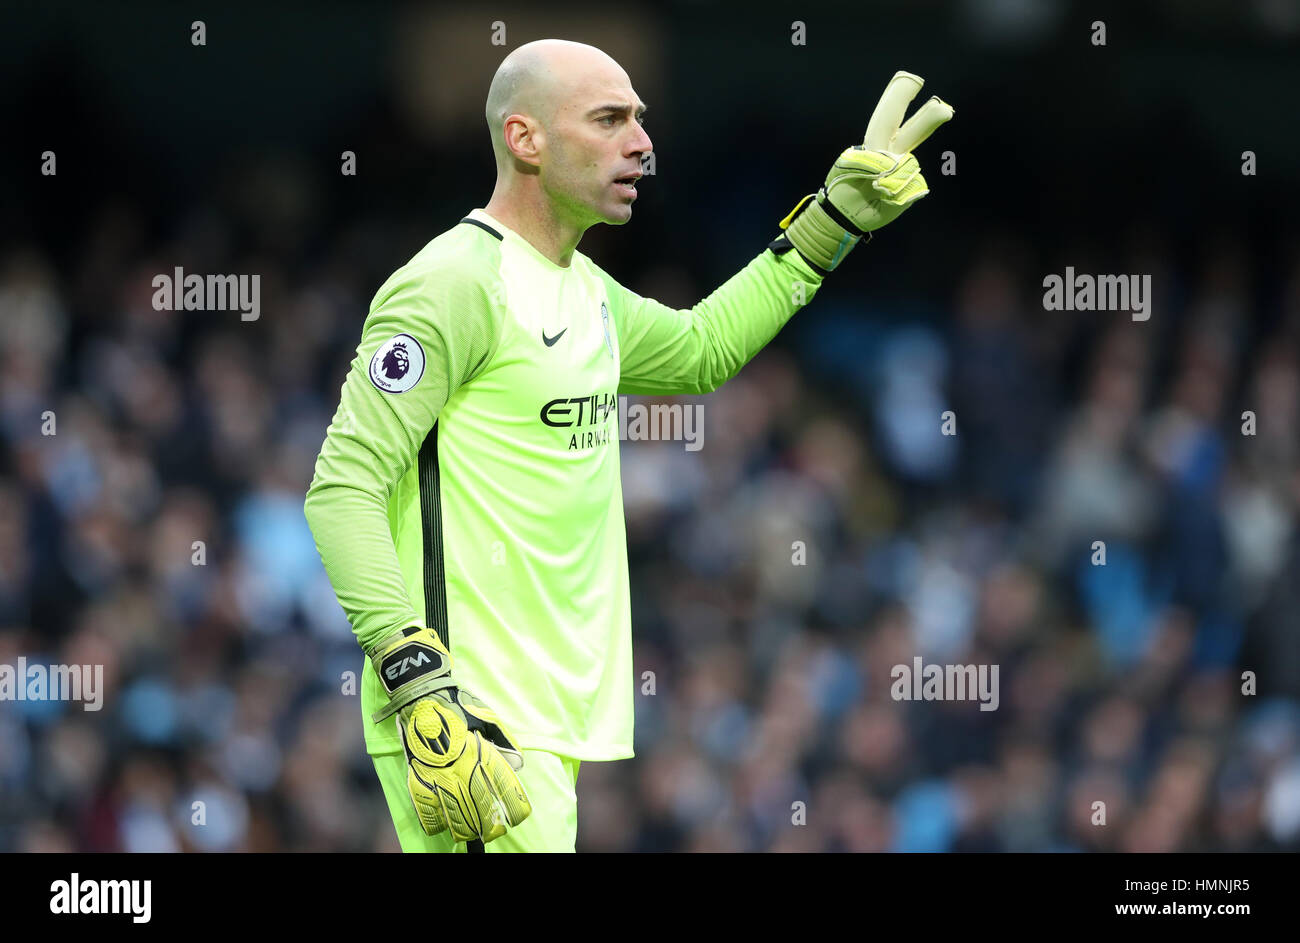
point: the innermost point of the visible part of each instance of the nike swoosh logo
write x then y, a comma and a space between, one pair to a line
550, 341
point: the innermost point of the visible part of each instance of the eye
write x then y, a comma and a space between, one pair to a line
610, 118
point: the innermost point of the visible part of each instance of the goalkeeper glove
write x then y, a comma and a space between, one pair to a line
871, 183
460, 760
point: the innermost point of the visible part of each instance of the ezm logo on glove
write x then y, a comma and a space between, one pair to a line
409, 662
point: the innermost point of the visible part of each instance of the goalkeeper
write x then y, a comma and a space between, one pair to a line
466, 501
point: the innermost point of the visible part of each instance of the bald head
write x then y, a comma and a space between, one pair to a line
538, 79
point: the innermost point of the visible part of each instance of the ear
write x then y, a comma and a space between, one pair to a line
524, 138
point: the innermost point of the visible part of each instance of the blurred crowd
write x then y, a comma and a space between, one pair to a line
1102, 524
1123, 677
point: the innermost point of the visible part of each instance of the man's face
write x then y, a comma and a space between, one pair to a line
595, 139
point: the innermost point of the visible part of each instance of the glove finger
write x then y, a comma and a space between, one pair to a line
907, 198
915, 189
889, 189
450, 790
887, 117
478, 805
465, 807
509, 789
893, 183
496, 807
426, 799
921, 125
859, 159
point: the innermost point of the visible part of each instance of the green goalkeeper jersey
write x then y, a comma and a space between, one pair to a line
469, 480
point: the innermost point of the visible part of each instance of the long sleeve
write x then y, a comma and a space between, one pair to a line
440, 323
663, 350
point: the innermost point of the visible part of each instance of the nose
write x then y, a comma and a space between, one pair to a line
640, 143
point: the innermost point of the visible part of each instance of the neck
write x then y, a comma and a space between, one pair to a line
526, 210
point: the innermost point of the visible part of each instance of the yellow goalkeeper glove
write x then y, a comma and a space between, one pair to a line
461, 761
870, 183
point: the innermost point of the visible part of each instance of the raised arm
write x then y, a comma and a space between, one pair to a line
665, 350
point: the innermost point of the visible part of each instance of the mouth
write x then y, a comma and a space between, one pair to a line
627, 184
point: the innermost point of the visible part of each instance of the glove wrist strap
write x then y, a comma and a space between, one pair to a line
821, 234
410, 664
